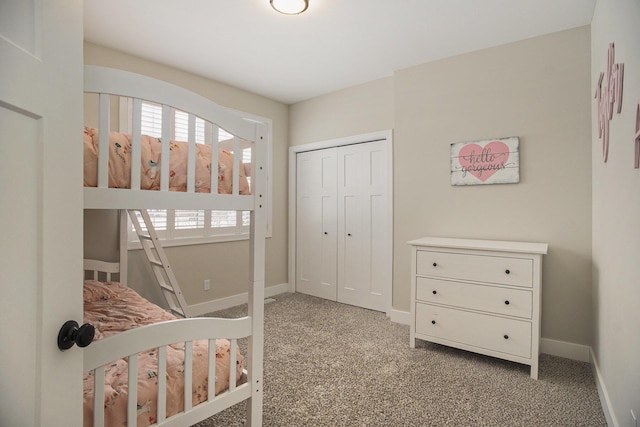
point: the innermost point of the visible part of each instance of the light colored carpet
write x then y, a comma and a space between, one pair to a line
330, 364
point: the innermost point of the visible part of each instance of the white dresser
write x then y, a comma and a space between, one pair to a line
478, 295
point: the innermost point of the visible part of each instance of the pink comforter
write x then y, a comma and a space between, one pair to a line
120, 164
113, 308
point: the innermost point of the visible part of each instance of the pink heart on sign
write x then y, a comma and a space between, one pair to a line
483, 162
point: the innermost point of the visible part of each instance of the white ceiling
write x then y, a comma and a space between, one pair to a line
333, 45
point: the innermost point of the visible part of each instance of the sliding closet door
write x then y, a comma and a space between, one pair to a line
364, 238
316, 238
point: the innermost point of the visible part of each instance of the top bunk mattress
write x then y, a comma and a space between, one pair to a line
119, 164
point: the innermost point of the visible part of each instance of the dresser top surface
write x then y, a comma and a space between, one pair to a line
487, 245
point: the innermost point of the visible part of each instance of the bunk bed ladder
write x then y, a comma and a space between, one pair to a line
159, 262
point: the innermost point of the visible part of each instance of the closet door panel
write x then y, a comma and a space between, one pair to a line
363, 242
350, 234
351, 176
379, 268
329, 234
353, 250
308, 241
379, 205
316, 224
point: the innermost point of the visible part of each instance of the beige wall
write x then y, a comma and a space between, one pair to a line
616, 216
353, 111
537, 89
193, 264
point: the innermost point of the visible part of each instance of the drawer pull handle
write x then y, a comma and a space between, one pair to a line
433, 322
507, 271
348, 234
434, 292
506, 302
326, 232
506, 337
435, 264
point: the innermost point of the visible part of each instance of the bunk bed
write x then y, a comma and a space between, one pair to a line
113, 85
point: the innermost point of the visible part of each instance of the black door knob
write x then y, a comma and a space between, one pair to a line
71, 334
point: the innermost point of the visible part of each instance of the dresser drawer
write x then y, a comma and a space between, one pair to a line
487, 332
481, 268
491, 299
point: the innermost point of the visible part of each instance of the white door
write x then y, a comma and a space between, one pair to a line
41, 213
316, 228
364, 238
343, 224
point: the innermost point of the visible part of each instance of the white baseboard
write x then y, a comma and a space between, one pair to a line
605, 402
397, 316
234, 300
565, 349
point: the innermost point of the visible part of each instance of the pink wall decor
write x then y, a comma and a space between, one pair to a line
636, 137
607, 96
490, 161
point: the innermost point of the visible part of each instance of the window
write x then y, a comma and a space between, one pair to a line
180, 227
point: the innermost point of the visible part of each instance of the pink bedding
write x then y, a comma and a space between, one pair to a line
113, 308
120, 164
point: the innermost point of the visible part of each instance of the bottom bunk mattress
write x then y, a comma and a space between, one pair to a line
113, 308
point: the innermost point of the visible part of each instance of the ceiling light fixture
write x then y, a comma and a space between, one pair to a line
290, 7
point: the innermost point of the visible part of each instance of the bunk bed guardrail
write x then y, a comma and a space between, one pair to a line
107, 83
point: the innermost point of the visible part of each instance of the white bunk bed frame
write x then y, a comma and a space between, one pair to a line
107, 82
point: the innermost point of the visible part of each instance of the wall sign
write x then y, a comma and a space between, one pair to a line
489, 161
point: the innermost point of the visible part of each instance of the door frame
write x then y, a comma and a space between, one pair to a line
384, 135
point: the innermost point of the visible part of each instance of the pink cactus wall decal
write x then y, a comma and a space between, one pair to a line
636, 137
607, 96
